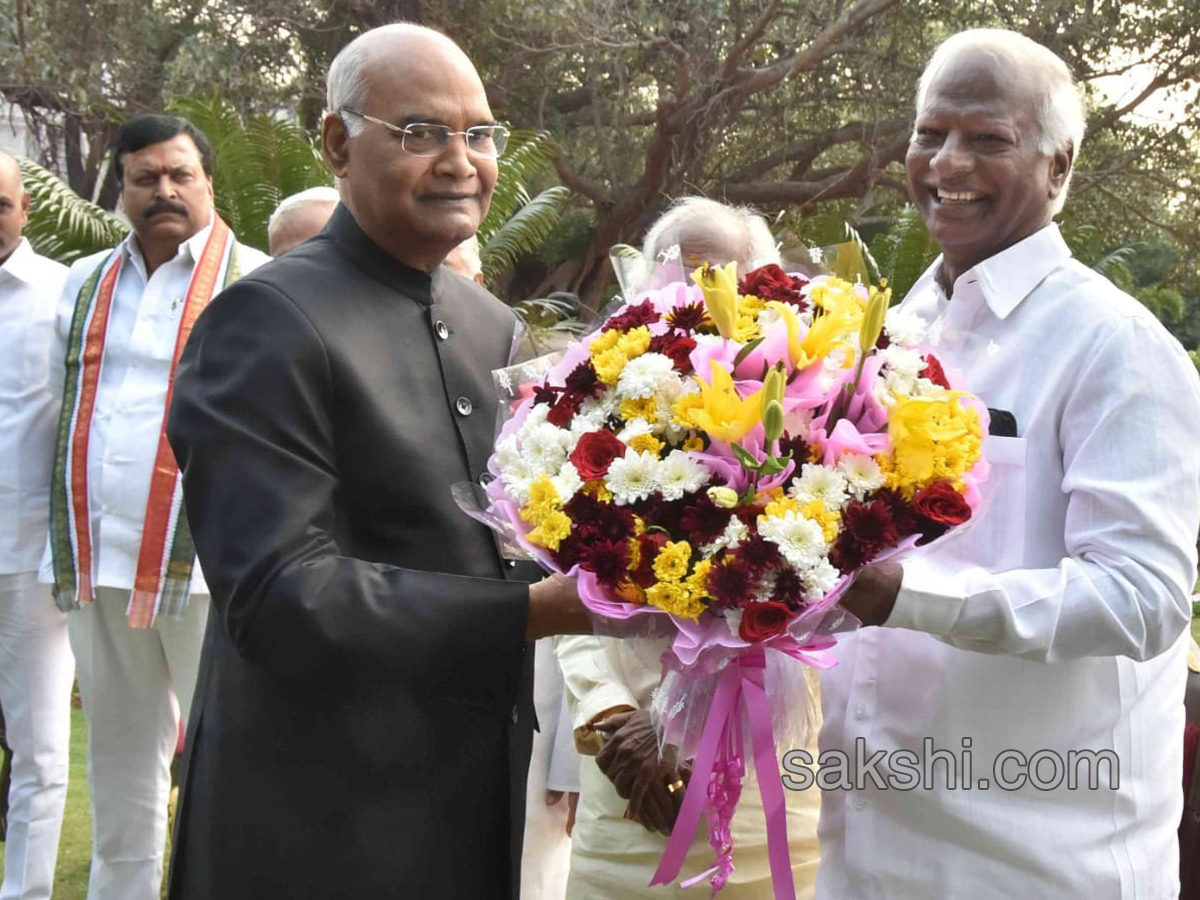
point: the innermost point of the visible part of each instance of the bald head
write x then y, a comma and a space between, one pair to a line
14, 205
416, 200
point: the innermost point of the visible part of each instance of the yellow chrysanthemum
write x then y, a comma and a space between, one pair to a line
828, 519
609, 365
671, 564
645, 408
635, 342
598, 490
777, 508
630, 592
697, 582
675, 598
645, 443
693, 444
543, 501
605, 340
682, 409
635, 554
552, 530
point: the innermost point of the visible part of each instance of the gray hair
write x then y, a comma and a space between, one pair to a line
346, 83
323, 194
701, 220
1062, 118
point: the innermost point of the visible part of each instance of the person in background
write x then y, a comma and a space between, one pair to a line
464, 260
1056, 624
36, 666
610, 682
299, 217
120, 554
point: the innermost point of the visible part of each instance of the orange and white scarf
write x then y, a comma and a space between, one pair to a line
163, 579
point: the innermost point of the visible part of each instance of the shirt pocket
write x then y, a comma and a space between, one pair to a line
999, 536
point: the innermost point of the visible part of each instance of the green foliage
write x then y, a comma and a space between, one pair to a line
904, 252
257, 161
62, 225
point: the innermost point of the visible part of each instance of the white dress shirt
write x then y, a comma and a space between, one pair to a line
131, 398
1055, 623
29, 289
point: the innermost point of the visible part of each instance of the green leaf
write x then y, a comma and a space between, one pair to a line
747, 350
747, 459
62, 225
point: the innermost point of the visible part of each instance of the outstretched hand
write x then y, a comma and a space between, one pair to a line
652, 783
555, 608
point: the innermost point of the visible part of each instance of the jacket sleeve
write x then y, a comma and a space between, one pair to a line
251, 427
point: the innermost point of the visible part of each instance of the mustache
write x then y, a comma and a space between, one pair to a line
162, 206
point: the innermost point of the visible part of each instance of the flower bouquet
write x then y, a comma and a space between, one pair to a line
723, 457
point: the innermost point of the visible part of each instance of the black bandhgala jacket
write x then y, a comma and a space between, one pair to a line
362, 719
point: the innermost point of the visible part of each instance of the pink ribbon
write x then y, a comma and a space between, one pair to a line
719, 757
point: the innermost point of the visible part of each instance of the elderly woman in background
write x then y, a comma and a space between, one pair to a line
609, 683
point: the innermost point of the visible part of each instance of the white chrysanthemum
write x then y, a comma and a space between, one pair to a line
585, 424
862, 473
903, 360
537, 415
567, 482
634, 428
818, 482
904, 326
601, 408
633, 478
546, 447
733, 535
679, 474
819, 580
800, 540
641, 376
508, 453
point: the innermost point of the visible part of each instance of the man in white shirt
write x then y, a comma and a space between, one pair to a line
36, 668
1044, 644
120, 554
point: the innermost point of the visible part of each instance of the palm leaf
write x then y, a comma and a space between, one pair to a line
527, 156
904, 252
522, 232
62, 225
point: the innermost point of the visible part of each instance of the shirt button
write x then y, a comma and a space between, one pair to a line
511, 563
860, 711
859, 803
463, 405
443, 331
516, 716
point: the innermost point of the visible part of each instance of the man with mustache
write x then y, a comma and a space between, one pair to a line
120, 555
1039, 653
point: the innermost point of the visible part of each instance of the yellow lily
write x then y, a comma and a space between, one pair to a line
724, 415
720, 287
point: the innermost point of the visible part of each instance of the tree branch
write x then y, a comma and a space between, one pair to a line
808, 150
734, 58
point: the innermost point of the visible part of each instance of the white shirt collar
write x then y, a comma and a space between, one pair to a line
193, 246
1007, 278
21, 264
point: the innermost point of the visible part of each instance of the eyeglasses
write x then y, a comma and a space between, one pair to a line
427, 139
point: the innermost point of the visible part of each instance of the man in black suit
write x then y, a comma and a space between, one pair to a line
363, 715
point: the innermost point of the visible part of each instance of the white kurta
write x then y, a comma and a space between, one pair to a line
613, 858
1055, 624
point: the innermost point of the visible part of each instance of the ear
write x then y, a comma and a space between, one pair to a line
335, 143
24, 208
1061, 162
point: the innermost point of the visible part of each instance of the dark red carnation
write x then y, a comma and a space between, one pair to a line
764, 620
940, 502
677, 347
594, 454
594, 521
796, 446
933, 371
583, 381
544, 393
770, 282
690, 317
789, 589
649, 544
903, 515
632, 317
657, 511
608, 560
867, 528
703, 521
758, 554
731, 583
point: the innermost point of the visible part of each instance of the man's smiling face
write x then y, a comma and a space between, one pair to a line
976, 170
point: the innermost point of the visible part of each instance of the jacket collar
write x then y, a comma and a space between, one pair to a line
344, 231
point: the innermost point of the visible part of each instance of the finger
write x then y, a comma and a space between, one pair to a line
652, 805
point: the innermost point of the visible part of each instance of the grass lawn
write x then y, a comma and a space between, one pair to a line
75, 847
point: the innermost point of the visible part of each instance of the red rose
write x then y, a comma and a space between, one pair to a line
594, 454
940, 502
933, 371
770, 282
763, 620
